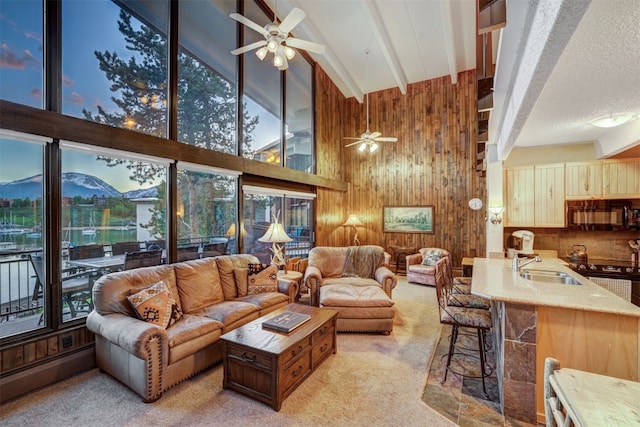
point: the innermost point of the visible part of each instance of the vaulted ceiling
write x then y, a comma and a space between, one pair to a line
560, 63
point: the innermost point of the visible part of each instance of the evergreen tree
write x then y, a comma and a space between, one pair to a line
206, 114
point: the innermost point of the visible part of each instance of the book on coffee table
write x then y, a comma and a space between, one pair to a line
286, 322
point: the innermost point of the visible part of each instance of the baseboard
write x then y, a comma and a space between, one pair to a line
51, 372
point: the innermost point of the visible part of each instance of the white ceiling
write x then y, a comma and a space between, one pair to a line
561, 63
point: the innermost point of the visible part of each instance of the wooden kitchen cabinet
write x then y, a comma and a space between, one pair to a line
549, 181
519, 197
583, 180
621, 179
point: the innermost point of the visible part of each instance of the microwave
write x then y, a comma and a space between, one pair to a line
608, 215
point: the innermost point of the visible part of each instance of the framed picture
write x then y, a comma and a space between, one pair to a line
407, 219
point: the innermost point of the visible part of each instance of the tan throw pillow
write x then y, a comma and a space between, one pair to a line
156, 305
432, 256
262, 278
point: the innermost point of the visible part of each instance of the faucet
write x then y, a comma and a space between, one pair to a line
516, 266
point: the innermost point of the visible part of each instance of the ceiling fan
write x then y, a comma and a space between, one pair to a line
277, 39
369, 139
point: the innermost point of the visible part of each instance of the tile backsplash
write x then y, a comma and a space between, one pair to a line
611, 245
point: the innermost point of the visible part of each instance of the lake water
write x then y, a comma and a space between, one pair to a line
105, 236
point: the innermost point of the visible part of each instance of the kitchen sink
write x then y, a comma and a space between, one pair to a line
549, 276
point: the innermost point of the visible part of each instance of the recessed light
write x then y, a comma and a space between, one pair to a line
613, 120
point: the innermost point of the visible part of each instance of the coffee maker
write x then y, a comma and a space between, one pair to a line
523, 241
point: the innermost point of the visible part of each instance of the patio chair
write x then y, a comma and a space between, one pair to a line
188, 253
76, 288
86, 251
138, 259
120, 248
214, 249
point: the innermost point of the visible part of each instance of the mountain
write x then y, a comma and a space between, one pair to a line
73, 184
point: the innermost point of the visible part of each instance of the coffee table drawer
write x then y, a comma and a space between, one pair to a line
296, 373
248, 357
295, 350
323, 347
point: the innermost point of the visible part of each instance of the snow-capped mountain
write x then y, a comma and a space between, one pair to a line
73, 184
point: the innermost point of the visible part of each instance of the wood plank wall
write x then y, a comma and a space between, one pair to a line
433, 163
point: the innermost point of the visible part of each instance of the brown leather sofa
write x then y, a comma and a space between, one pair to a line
212, 294
417, 272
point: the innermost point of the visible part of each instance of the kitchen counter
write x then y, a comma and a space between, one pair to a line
494, 279
584, 326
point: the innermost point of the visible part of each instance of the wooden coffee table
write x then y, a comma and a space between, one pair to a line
268, 365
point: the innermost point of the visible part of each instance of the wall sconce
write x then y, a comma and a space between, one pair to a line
353, 221
496, 211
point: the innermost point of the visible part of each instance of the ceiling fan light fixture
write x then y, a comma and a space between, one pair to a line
289, 53
272, 45
362, 147
613, 120
373, 147
277, 60
262, 52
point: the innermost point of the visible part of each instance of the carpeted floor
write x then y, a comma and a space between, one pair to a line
373, 380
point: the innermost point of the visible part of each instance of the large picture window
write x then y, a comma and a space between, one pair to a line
22, 281
114, 65
21, 50
113, 203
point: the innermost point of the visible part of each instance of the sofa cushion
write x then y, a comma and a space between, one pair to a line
431, 256
242, 278
198, 284
226, 266
422, 269
351, 281
156, 305
266, 300
354, 296
262, 278
230, 312
191, 327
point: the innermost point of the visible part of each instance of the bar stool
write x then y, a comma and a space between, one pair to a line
457, 317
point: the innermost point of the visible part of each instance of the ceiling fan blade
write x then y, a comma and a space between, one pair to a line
306, 45
293, 18
352, 137
374, 135
354, 143
249, 23
386, 139
249, 47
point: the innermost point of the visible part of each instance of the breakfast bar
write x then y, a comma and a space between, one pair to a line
583, 325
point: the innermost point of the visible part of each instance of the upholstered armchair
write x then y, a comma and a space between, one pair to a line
327, 265
421, 267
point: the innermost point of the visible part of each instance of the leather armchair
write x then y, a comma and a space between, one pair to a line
420, 273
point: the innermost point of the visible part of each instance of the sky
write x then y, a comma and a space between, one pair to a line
84, 84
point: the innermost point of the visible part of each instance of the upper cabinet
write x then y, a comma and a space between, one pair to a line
583, 180
549, 195
519, 198
621, 179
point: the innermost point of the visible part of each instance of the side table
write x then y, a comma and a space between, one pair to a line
467, 267
400, 254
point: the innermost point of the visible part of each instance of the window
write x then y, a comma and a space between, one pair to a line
21, 50
292, 209
299, 116
114, 65
207, 206
108, 198
262, 90
207, 101
22, 287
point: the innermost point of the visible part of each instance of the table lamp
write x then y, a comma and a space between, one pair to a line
353, 221
275, 235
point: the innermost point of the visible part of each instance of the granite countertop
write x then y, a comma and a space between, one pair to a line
495, 279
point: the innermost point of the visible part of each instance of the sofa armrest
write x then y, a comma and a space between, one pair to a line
288, 287
387, 279
133, 335
313, 281
414, 259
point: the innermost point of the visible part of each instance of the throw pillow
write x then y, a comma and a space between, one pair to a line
432, 256
262, 278
156, 305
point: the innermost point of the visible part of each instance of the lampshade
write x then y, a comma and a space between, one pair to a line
353, 220
275, 234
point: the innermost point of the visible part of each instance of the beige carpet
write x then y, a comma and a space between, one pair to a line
373, 380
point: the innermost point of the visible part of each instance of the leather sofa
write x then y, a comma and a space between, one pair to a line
363, 301
212, 294
417, 272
